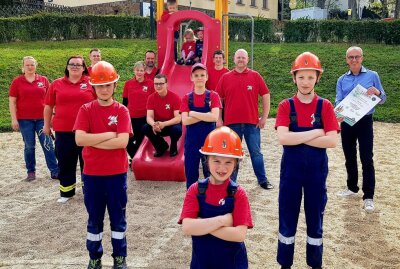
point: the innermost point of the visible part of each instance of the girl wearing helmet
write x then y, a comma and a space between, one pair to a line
103, 128
65, 96
216, 211
306, 125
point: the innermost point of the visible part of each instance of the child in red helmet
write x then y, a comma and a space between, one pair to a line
216, 211
103, 128
306, 126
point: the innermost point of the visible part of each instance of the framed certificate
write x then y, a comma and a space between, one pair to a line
355, 105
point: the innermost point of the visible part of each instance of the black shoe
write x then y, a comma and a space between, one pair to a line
266, 185
130, 164
120, 262
161, 152
94, 264
173, 150
173, 153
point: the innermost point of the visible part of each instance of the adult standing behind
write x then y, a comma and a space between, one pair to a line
26, 102
215, 73
163, 118
200, 111
150, 67
95, 57
362, 131
67, 94
102, 127
135, 95
239, 90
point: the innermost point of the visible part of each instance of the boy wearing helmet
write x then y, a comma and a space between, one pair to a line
306, 125
103, 128
216, 211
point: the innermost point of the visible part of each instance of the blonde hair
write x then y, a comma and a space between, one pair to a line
139, 64
189, 31
28, 58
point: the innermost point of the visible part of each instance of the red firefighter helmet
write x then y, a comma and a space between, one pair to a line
223, 142
306, 61
103, 73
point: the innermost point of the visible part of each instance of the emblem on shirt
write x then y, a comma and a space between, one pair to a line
40, 84
221, 202
168, 106
190, 47
113, 120
145, 88
83, 86
313, 118
249, 87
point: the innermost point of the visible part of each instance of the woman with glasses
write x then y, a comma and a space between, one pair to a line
65, 96
26, 101
135, 94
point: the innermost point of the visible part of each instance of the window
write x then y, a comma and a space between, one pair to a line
265, 4
239, 2
253, 3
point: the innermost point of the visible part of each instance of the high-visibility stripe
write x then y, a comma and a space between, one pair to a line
117, 235
314, 241
286, 240
94, 237
67, 188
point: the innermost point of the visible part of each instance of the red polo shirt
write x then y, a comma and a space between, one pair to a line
165, 106
137, 93
214, 76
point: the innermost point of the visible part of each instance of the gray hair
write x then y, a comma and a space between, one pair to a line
354, 48
139, 64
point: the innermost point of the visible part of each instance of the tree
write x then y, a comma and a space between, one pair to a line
397, 10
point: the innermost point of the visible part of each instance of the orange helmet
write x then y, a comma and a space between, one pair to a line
306, 61
223, 142
103, 73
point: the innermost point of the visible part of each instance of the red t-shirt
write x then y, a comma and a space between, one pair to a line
214, 77
137, 94
94, 118
30, 96
241, 212
198, 101
68, 97
189, 46
305, 114
150, 76
89, 69
165, 106
165, 16
239, 92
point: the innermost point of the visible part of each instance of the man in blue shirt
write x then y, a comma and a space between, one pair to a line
362, 131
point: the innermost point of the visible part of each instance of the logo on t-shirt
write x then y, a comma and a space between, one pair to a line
83, 86
113, 120
221, 202
313, 119
167, 106
145, 88
249, 87
40, 84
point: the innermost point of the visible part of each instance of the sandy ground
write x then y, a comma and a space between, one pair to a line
36, 232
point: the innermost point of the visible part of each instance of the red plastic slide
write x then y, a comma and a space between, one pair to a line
165, 168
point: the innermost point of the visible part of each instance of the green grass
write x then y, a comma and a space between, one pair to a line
273, 61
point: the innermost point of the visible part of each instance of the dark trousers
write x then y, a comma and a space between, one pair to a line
67, 153
362, 132
138, 135
159, 144
103, 192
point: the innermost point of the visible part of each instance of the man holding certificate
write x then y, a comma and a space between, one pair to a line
361, 130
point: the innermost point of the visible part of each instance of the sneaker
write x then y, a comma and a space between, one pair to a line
54, 176
31, 176
369, 205
63, 200
120, 262
94, 264
346, 193
266, 185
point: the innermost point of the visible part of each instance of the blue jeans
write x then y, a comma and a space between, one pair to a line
253, 141
28, 129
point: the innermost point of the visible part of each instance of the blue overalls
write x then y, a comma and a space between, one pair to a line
303, 169
195, 136
209, 251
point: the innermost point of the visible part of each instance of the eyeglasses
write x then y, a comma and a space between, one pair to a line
75, 65
357, 57
159, 84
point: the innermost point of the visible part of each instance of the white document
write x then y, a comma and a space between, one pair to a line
355, 105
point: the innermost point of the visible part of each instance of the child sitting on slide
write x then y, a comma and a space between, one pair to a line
188, 48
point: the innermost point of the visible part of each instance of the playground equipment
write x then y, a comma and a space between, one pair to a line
165, 168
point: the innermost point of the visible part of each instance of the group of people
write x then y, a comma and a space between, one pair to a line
90, 126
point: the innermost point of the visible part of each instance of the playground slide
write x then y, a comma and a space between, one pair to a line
144, 165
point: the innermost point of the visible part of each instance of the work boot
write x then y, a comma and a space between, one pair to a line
120, 262
94, 264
